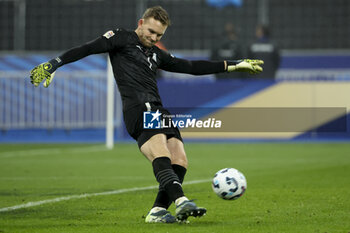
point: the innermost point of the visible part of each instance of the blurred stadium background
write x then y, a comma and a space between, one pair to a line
313, 72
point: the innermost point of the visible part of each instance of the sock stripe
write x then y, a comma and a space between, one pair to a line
166, 176
163, 173
165, 180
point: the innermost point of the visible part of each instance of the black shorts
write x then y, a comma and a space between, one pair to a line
133, 119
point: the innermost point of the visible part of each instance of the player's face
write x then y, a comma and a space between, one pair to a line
150, 31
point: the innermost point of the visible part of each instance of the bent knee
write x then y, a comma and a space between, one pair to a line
179, 160
155, 147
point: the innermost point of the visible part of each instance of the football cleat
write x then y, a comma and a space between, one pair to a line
161, 216
188, 208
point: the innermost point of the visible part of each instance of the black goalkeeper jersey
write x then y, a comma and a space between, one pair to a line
135, 66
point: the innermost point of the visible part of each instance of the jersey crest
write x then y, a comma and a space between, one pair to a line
109, 34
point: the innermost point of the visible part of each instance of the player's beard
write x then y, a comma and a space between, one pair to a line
146, 42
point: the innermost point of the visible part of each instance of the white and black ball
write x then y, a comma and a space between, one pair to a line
229, 183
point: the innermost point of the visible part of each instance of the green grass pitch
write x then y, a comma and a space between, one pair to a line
291, 188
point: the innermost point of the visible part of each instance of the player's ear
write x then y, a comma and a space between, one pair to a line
140, 22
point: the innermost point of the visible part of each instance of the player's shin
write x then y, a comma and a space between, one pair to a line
167, 178
162, 199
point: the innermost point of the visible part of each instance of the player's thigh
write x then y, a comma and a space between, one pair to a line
177, 151
156, 147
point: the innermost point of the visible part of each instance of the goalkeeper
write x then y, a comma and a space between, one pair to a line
135, 60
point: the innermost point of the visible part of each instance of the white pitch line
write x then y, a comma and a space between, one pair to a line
51, 151
59, 199
31, 178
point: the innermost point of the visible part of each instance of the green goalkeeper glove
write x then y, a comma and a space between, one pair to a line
41, 72
246, 65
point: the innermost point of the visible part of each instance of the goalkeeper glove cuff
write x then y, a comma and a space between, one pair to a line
232, 63
52, 65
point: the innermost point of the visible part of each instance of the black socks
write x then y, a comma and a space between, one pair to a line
169, 181
180, 171
169, 177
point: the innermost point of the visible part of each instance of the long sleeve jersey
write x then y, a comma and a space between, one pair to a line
135, 66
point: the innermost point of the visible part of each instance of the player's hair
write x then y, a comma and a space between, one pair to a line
158, 13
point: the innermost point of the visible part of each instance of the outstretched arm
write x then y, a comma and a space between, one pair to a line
96, 46
194, 67
47, 70
174, 64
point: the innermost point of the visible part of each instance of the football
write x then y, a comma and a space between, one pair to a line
229, 183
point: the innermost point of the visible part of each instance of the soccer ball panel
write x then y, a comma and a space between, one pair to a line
229, 183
